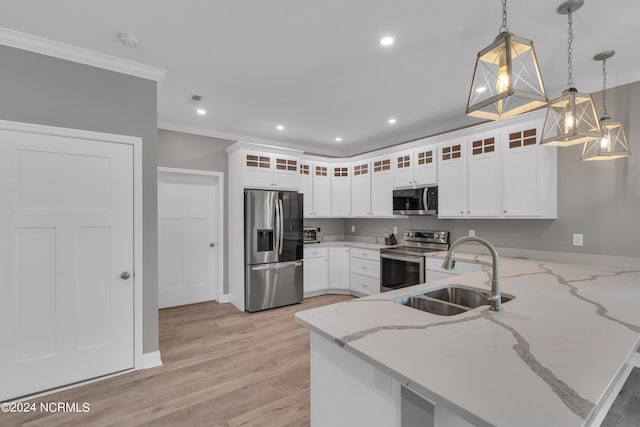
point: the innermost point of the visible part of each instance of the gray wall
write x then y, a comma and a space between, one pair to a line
44, 90
187, 151
599, 199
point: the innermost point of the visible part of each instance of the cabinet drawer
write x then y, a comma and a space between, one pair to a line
365, 267
365, 285
315, 252
365, 254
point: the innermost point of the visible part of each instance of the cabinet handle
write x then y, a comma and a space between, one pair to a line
505, 211
468, 212
364, 268
462, 212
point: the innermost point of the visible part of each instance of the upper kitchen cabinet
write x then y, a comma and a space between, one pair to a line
382, 186
483, 176
315, 184
270, 171
361, 188
452, 179
340, 190
415, 167
500, 172
529, 181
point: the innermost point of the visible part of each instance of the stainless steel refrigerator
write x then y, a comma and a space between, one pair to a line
273, 249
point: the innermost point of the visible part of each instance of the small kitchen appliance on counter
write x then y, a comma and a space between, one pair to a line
310, 235
404, 266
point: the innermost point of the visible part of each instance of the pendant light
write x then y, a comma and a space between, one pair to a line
612, 143
506, 79
571, 118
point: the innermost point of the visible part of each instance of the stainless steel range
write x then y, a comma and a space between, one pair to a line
404, 266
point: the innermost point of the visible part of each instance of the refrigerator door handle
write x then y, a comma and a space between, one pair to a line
276, 266
281, 226
276, 236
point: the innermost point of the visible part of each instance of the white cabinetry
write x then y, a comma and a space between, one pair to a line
316, 270
483, 177
381, 187
529, 181
365, 271
315, 184
415, 167
361, 189
340, 190
270, 171
452, 179
339, 268
500, 173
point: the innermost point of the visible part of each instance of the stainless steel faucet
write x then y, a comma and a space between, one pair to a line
495, 299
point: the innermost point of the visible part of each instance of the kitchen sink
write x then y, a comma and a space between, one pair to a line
449, 300
432, 306
463, 295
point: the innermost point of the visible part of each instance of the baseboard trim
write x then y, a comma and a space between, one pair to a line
224, 299
151, 360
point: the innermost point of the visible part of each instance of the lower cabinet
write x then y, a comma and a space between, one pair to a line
365, 271
339, 268
316, 270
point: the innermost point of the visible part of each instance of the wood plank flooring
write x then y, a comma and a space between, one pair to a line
222, 368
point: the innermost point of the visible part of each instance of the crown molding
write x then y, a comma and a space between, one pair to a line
194, 130
80, 55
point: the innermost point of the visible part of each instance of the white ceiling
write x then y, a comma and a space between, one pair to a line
317, 67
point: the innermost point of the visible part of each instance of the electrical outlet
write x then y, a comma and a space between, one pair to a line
578, 239
472, 233
353, 228
395, 230
382, 381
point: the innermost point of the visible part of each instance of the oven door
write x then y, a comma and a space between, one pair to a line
399, 271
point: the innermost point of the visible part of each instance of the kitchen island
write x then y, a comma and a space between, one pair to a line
550, 358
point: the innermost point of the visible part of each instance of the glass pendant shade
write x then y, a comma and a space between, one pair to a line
571, 119
612, 144
506, 79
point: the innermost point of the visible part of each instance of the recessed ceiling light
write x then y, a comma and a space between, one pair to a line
280, 127
201, 111
386, 41
392, 121
338, 139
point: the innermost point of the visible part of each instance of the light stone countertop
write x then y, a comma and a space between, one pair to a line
345, 243
546, 360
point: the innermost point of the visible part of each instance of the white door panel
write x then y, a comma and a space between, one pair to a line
66, 235
187, 226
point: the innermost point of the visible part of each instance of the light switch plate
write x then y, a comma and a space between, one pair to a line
395, 230
472, 233
578, 239
353, 228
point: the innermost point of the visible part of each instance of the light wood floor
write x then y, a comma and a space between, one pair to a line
222, 368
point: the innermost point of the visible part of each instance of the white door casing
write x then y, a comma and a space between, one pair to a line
190, 221
70, 226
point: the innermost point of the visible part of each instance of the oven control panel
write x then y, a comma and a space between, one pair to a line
426, 236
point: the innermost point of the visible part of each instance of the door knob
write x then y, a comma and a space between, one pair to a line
212, 244
125, 275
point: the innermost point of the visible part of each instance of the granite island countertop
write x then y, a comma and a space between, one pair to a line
546, 360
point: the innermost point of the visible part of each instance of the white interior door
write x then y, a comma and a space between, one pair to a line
188, 238
66, 238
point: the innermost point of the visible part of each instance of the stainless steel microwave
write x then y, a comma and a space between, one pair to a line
416, 201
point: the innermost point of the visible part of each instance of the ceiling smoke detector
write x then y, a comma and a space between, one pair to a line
129, 40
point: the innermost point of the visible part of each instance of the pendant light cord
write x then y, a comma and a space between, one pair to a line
604, 87
570, 83
504, 28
